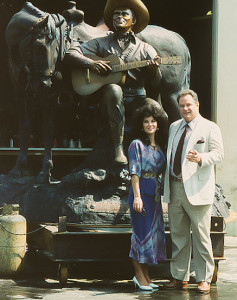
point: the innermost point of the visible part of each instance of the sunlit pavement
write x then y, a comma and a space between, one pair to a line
37, 287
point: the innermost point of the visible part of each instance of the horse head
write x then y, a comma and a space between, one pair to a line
39, 50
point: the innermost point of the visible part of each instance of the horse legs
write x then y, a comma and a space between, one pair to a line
48, 105
25, 127
169, 96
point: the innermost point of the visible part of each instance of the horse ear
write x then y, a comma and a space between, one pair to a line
41, 22
59, 24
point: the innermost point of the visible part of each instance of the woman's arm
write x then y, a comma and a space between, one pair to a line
137, 202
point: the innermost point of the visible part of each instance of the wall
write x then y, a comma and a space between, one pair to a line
224, 96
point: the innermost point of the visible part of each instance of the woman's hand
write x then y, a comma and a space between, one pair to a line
138, 204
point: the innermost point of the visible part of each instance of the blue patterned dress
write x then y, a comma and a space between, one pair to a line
148, 238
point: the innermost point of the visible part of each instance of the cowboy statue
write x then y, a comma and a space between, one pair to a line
126, 18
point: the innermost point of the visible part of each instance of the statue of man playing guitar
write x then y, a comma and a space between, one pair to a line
125, 17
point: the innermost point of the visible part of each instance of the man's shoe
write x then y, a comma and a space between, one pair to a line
177, 284
204, 287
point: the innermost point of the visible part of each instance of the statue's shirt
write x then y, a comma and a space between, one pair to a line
134, 50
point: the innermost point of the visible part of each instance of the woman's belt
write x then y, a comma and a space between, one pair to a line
149, 175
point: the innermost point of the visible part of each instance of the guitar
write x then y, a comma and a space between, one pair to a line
86, 82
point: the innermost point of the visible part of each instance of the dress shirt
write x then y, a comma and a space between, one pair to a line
191, 126
136, 50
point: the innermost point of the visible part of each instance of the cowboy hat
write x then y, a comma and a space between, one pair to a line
139, 9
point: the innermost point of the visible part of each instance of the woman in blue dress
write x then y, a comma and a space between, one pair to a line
146, 163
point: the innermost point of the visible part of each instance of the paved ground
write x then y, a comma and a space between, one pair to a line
45, 286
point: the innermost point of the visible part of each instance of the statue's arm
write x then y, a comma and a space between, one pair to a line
75, 57
153, 72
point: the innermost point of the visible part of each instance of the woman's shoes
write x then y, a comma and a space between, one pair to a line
141, 287
153, 285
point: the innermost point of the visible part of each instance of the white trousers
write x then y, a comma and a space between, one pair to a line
184, 218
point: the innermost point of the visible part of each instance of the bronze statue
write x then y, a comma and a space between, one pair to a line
36, 79
126, 18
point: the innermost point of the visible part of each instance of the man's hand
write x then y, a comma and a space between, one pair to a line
101, 66
194, 156
153, 64
138, 204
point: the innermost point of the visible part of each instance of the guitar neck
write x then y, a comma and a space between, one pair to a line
129, 66
171, 60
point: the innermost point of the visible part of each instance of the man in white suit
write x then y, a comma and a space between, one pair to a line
194, 147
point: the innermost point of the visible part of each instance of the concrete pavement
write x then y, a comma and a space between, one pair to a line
45, 286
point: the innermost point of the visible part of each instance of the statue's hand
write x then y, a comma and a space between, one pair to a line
101, 66
153, 64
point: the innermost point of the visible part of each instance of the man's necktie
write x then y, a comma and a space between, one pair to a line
178, 153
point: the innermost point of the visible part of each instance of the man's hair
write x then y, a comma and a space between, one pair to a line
188, 92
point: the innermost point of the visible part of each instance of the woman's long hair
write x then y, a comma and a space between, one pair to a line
161, 135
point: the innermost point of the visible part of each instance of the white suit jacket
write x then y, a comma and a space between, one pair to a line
199, 181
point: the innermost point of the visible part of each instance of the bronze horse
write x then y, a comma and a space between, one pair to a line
37, 43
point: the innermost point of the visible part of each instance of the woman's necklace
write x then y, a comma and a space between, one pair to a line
155, 147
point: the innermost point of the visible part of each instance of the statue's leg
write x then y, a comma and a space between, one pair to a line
24, 108
112, 104
48, 105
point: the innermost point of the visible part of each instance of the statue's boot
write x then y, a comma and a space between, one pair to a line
117, 132
113, 100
